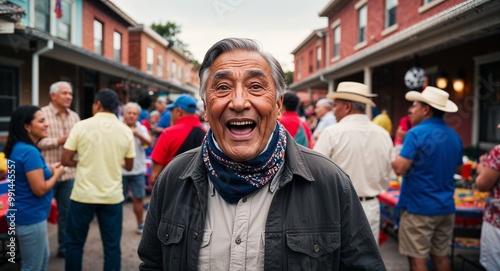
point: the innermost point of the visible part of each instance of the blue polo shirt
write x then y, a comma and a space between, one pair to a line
164, 121
428, 186
28, 207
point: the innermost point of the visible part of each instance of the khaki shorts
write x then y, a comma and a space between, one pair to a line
420, 235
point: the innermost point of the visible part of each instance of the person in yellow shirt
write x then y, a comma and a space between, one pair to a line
104, 145
384, 121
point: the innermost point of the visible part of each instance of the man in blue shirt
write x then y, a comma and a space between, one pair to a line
165, 117
431, 155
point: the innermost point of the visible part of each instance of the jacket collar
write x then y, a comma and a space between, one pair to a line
295, 164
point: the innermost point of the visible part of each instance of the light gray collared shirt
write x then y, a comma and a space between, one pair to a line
233, 238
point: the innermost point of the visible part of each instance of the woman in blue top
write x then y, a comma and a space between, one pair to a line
32, 185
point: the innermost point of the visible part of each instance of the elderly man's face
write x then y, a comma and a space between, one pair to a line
241, 104
131, 115
63, 97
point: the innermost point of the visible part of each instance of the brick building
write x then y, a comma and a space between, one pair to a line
378, 42
87, 45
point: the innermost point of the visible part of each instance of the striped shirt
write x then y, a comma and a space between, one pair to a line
58, 126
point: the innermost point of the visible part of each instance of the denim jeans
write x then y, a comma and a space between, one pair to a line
62, 191
109, 217
34, 246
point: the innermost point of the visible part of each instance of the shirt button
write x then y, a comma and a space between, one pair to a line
166, 236
238, 241
195, 235
244, 199
316, 248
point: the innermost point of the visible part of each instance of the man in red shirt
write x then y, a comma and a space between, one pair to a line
297, 128
187, 132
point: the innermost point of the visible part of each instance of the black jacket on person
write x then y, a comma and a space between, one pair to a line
315, 221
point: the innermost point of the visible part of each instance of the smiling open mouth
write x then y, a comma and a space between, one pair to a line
241, 127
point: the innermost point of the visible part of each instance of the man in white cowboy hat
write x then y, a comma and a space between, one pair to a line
360, 147
431, 155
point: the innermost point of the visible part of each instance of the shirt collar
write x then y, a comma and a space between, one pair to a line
54, 110
355, 118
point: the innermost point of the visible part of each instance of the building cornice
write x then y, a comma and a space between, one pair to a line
332, 7
119, 12
150, 32
316, 34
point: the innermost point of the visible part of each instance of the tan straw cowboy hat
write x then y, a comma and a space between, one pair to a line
434, 97
353, 91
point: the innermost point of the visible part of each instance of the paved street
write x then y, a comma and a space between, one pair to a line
93, 256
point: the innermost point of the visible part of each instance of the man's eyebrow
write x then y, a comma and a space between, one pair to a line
221, 74
256, 73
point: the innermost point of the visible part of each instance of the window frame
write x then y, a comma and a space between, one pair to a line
336, 43
98, 41
318, 57
37, 13
390, 10
150, 59
159, 65
117, 50
362, 19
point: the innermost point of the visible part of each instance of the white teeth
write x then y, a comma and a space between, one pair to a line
241, 123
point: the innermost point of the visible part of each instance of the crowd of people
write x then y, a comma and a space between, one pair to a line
249, 183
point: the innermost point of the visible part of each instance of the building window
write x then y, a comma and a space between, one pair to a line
167, 68
362, 24
318, 57
159, 65
98, 37
336, 41
299, 69
311, 61
64, 23
149, 59
391, 7
489, 102
174, 69
117, 46
181, 73
9, 94
42, 15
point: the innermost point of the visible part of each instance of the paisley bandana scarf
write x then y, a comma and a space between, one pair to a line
234, 180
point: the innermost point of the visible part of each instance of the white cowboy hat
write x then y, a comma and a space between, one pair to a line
353, 91
434, 97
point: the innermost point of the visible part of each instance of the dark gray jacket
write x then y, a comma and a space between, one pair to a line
315, 221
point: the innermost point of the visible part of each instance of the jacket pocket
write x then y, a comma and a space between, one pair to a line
171, 236
312, 250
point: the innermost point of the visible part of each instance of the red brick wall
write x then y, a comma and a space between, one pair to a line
135, 54
139, 42
407, 15
92, 10
307, 61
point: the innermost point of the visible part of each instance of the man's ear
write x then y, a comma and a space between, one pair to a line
279, 104
427, 110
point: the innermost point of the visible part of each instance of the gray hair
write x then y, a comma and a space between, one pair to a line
231, 44
154, 112
162, 100
357, 106
134, 105
54, 88
327, 103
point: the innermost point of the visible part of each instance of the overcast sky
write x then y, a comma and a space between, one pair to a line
279, 25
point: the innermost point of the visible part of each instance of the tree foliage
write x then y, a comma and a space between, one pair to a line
170, 32
289, 77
